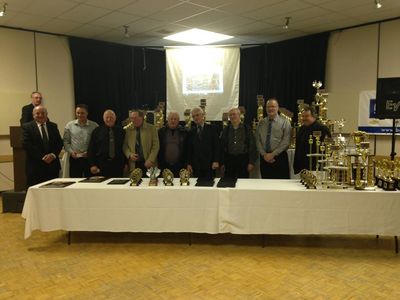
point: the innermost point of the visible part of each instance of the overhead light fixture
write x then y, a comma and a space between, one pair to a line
378, 3
3, 11
126, 31
286, 26
198, 37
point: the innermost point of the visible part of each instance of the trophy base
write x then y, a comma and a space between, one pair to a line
168, 183
337, 186
388, 186
153, 182
185, 183
370, 188
136, 183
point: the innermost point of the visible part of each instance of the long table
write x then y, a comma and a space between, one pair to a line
255, 206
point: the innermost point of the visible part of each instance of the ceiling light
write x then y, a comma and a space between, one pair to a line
378, 3
198, 37
286, 26
3, 11
126, 31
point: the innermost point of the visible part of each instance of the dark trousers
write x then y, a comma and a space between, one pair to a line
111, 168
236, 165
41, 174
276, 170
79, 167
204, 173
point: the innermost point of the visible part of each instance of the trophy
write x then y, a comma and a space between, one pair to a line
136, 177
168, 177
153, 174
225, 119
396, 174
242, 113
203, 104
388, 184
260, 107
300, 108
188, 118
184, 177
308, 179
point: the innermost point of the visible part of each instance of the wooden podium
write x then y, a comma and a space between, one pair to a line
18, 158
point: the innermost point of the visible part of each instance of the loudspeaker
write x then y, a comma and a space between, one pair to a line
388, 98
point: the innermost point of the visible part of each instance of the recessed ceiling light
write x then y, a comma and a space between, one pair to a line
198, 37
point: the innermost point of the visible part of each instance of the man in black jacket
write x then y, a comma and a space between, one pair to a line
203, 147
105, 148
310, 124
238, 147
172, 145
26, 114
42, 143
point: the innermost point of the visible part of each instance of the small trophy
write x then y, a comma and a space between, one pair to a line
136, 177
388, 184
168, 177
225, 119
184, 177
396, 174
153, 174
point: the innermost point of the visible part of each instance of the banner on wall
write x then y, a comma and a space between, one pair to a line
203, 72
366, 116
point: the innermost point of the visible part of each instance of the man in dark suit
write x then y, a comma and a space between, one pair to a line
310, 124
26, 115
105, 154
42, 143
172, 145
203, 147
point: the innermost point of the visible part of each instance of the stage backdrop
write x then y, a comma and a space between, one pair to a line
203, 72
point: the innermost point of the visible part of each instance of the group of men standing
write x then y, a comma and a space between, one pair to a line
109, 150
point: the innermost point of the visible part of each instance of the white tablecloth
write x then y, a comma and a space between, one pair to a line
255, 206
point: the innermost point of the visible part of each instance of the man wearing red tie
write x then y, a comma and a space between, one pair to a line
42, 143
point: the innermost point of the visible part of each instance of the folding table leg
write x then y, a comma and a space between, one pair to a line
69, 237
396, 244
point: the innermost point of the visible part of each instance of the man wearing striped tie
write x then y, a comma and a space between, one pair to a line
273, 139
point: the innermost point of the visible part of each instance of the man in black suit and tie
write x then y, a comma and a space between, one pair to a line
203, 149
42, 143
26, 115
105, 154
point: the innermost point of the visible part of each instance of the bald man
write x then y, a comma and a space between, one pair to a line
42, 143
272, 140
238, 148
172, 145
105, 154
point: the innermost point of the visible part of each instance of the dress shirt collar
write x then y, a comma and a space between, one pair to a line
76, 122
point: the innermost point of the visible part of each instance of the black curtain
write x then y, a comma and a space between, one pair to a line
117, 77
284, 70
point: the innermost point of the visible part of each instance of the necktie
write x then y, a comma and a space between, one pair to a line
45, 138
268, 140
199, 131
111, 143
138, 145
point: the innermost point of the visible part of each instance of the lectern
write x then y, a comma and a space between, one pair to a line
13, 201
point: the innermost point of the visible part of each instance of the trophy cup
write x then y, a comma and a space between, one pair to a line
203, 104
260, 107
300, 108
388, 183
136, 177
168, 177
379, 173
184, 176
188, 118
153, 174
242, 110
225, 119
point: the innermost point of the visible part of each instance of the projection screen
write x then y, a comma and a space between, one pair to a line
203, 72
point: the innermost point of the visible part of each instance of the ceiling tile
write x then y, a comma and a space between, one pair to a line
59, 26
27, 21
210, 3
18, 5
241, 6
110, 4
49, 8
284, 8
145, 24
84, 13
145, 8
115, 19
203, 18
179, 12
89, 31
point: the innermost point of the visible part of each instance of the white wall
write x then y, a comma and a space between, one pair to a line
352, 61
18, 80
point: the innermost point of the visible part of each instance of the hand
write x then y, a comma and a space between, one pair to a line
250, 167
48, 158
134, 157
148, 164
189, 168
215, 165
94, 170
269, 157
74, 154
83, 154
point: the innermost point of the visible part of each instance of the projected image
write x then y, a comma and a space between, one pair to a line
203, 81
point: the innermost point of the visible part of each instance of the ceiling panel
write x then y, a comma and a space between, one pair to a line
84, 13
49, 8
179, 12
115, 19
148, 7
